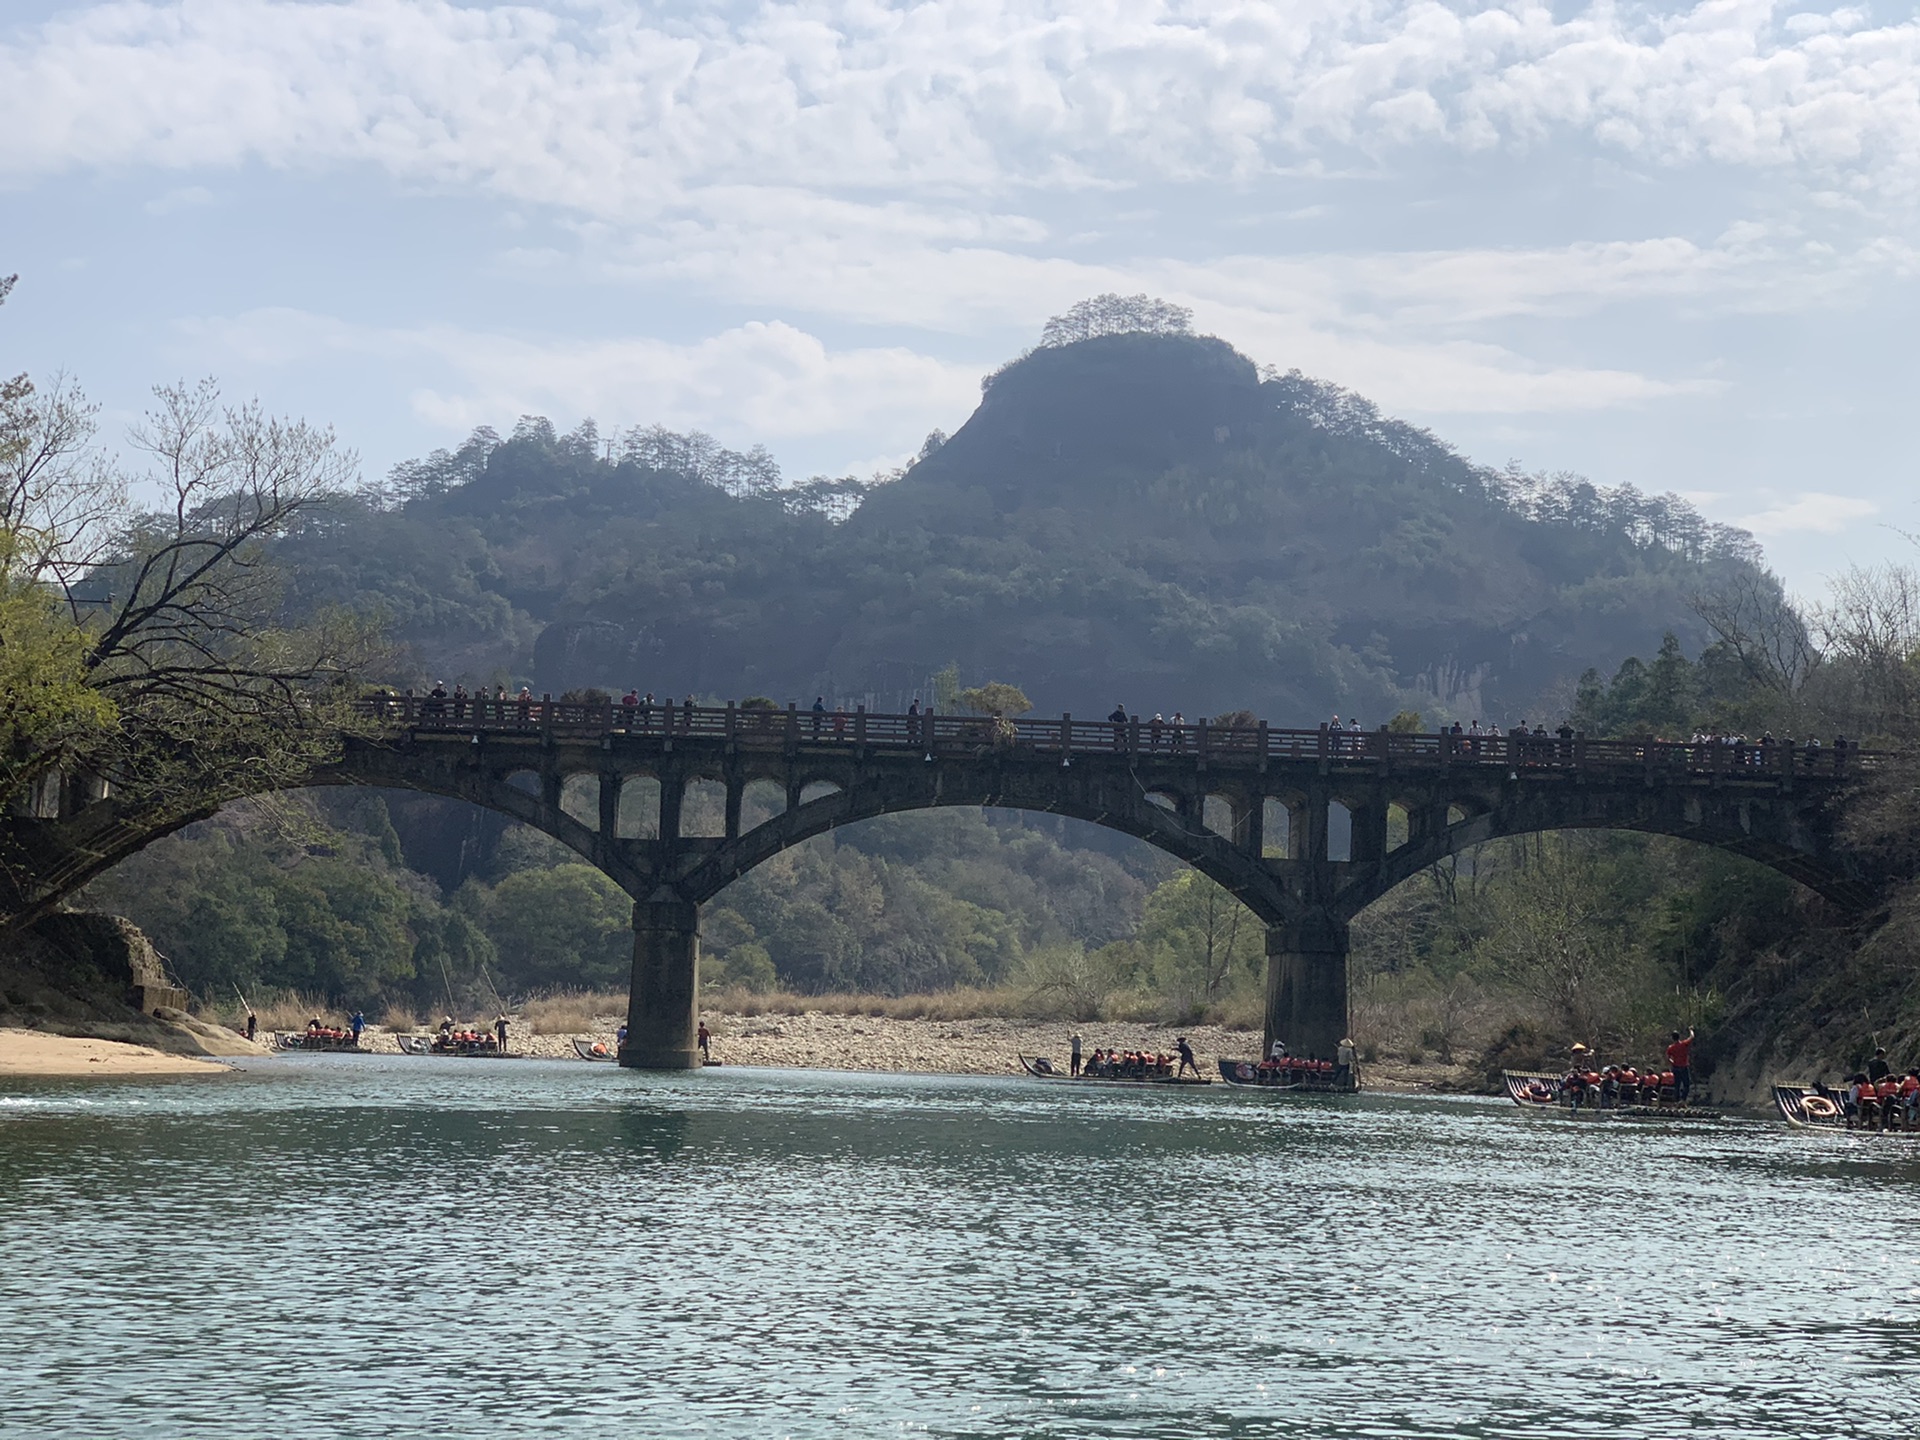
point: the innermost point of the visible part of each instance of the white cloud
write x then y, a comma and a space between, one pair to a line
615, 108
1815, 512
752, 383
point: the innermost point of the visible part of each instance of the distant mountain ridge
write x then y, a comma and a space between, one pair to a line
1135, 517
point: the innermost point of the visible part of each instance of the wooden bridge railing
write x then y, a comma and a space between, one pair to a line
934, 735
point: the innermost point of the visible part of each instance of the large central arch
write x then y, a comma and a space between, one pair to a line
1306, 828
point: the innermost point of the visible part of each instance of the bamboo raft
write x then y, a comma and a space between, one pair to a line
1541, 1092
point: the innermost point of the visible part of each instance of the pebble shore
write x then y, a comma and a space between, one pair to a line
813, 1040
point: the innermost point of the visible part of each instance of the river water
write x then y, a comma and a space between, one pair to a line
362, 1246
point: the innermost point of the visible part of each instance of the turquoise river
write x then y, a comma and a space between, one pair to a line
352, 1246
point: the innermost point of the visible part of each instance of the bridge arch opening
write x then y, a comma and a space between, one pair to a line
1276, 829
637, 811
1217, 815
761, 801
527, 782
580, 800
1399, 825
703, 809
1339, 832
817, 790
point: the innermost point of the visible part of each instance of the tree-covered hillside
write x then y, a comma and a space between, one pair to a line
1129, 516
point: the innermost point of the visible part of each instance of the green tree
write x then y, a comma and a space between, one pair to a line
1201, 942
996, 697
564, 928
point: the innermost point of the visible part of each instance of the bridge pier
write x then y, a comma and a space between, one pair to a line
661, 1001
1307, 984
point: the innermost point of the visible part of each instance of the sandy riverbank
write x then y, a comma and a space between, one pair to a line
35, 1053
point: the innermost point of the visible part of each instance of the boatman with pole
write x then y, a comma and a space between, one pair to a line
1680, 1058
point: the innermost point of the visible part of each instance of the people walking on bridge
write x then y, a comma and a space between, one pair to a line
437, 699
1680, 1059
703, 1037
819, 714
1118, 719
1179, 723
629, 708
525, 701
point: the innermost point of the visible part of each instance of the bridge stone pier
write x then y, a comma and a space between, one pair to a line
1305, 827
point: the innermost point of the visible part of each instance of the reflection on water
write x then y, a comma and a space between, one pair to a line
390, 1247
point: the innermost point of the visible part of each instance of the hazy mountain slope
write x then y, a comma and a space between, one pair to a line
1136, 517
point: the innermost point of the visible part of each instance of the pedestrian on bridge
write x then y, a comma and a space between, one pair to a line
1118, 719
819, 714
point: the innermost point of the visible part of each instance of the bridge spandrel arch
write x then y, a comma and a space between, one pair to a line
1135, 813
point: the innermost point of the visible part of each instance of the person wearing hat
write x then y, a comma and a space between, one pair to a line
1347, 1058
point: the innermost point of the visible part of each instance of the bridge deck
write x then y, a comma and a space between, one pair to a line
939, 735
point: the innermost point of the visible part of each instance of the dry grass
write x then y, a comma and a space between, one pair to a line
963, 1004
573, 1012
399, 1018
277, 1009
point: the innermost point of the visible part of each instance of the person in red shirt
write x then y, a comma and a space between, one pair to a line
1680, 1057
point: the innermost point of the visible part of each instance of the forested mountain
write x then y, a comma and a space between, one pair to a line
1131, 516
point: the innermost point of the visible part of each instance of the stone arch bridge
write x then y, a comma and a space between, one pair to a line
1305, 827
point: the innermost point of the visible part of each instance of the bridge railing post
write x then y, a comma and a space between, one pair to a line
1133, 739
1263, 742
1066, 736
860, 729
1200, 739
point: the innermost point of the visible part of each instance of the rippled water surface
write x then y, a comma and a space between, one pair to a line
357, 1246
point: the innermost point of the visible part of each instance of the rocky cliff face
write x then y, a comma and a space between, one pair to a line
98, 976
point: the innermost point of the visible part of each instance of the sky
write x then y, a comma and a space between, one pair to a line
1671, 246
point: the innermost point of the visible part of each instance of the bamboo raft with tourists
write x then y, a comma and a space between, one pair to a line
1542, 1091
460, 1042
1874, 1101
1122, 1067
1296, 1074
323, 1040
